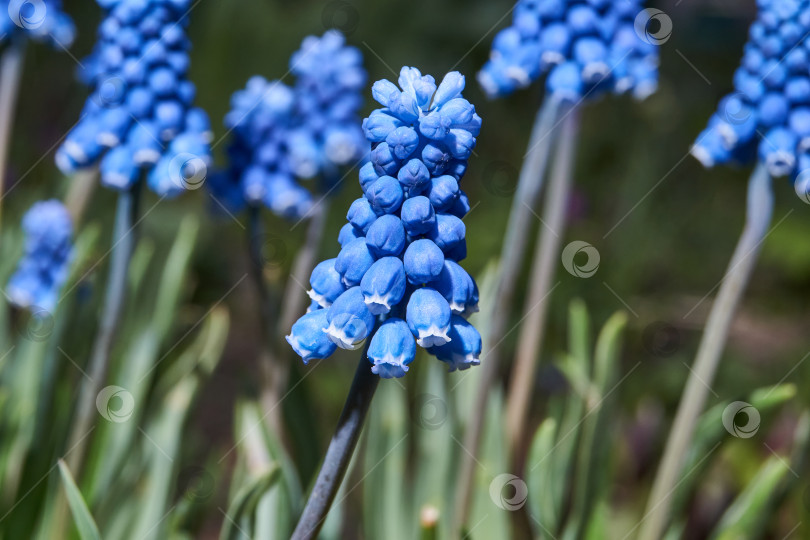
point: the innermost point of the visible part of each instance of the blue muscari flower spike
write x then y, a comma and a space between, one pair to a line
40, 20
767, 116
585, 47
398, 264
47, 254
282, 135
140, 115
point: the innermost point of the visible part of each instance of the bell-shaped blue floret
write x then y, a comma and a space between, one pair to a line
443, 192
457, 287
118, 169
464, 348
385, 195
414, 177
361, 214
418, 216
350, 321
428, 315
386, 237
449, 234
353, 261
392, 349
308, 337
326, 284
384, 285
348, 233
423, 261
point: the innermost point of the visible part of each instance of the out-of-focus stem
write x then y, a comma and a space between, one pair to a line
11, 65
294, 303
530, 184
340, 450
123, 244
545, 256
758, 219
79, 193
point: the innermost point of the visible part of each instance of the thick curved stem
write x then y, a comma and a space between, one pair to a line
530, 184
340, 450
758, 219
546, 255
11, 65
124, 239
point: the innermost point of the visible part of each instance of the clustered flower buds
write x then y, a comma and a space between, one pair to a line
47, 253
400, 249
586, 47
767, 116
282, 134
42, 20
140, 114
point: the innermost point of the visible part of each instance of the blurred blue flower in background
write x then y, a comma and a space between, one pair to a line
404, 237
47, 253
41, 20
585, 47
140, 115
767, 116
282, 135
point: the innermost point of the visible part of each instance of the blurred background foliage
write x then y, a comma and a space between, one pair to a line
663, 225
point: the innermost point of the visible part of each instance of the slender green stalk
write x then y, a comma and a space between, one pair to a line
340, 449
79, 193
267, 316
530, 184
758, 219
123, 243
294, 303
11, 65
545, 256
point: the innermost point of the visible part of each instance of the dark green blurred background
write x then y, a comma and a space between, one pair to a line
665, 227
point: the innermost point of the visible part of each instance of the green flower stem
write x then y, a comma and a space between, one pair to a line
80, 191
294, 303
758, 219
11, 65
123, 244
530, 184
267, 316
340, 449
546, 255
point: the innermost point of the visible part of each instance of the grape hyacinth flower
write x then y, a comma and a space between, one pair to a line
140, 115
283, 135
404, 238
43, 20
585, 48
48, 251
765, 120
767, 116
